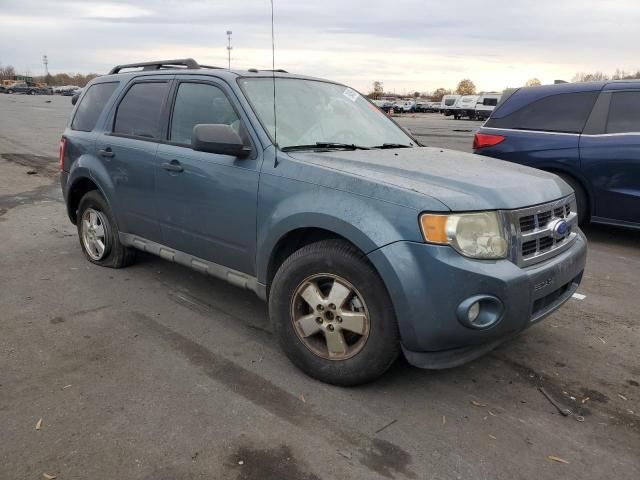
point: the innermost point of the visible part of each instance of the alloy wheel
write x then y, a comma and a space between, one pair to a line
95, 227
330, 316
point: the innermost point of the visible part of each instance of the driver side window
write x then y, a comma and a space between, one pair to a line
200, 103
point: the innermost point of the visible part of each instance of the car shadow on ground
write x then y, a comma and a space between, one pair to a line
612, 235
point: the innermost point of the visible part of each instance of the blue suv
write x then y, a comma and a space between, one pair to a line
363, 243
587, 133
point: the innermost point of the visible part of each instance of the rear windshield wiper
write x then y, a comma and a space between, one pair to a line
323, 145
393, 145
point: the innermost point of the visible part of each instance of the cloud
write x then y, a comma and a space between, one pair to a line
409, 45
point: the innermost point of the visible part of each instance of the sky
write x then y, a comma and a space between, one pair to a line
409, 45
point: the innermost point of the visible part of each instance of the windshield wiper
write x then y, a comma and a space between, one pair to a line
322, 145
392, 145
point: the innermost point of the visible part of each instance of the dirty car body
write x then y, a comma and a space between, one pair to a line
469, 250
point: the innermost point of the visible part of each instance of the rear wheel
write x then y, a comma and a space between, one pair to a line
581, 198
98, 233
332, 314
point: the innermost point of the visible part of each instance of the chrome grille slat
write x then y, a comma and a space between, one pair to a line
533, 241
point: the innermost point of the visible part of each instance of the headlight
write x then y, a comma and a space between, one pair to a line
476, 235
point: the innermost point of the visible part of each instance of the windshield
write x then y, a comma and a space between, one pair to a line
311, 112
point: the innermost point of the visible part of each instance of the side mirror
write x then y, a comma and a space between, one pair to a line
75, 98
220, 139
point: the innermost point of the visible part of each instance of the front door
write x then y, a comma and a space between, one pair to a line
207, 202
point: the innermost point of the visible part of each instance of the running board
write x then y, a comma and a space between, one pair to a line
234, 277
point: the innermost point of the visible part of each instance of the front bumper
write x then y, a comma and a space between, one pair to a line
427, 284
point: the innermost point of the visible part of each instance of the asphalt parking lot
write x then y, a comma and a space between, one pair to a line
157, 372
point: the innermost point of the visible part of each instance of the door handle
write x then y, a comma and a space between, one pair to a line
107, 152
173, 166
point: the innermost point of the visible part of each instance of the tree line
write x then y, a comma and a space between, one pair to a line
467, 87
9, 73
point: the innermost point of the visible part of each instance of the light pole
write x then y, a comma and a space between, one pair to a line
229, 47
45, 60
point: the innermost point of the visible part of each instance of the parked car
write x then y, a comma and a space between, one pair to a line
363, 243
22, 87
387, 105
487, 102
425, 107
447, 104
587, 133
465, 106
433, 107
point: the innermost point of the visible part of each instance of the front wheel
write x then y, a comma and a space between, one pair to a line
332, 314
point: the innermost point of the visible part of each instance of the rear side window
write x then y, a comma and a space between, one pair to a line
200, 103
490, 102
566, 113
139, 113
92, 105
624, 113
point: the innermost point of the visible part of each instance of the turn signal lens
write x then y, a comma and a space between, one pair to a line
434, 228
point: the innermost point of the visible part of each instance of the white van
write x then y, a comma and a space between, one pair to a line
465, 107
487, 103
447, 103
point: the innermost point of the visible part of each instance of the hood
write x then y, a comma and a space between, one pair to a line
461, 181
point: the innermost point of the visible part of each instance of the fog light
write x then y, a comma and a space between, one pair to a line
473, 312
480, 312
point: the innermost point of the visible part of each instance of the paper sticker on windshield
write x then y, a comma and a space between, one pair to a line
351, 94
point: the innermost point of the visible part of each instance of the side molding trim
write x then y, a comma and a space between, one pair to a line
234, 277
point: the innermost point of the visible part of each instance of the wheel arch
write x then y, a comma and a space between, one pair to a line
294, 240
580, 180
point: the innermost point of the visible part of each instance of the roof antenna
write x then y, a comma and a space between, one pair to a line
273, 72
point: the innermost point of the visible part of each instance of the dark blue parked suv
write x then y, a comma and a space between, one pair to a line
588, 133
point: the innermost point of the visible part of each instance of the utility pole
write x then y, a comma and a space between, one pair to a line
45, 60
229, 47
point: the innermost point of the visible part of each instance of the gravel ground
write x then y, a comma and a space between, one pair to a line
157, 372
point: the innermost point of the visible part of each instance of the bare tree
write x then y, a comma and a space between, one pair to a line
590, 77
533, 82
378, 90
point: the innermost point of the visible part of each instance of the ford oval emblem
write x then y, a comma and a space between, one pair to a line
559, 228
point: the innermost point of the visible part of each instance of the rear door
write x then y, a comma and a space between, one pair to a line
207, 202
610, 156
128, 151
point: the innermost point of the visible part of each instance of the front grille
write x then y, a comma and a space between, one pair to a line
535, 237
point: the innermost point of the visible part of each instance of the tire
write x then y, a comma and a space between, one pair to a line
365, 355
32, 92
9, 91
114, 254
581, 198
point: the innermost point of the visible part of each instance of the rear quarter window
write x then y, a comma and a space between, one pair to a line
565, 113
91, 106
624, 113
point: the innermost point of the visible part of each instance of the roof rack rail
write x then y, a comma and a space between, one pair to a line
161, 65
278, 70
